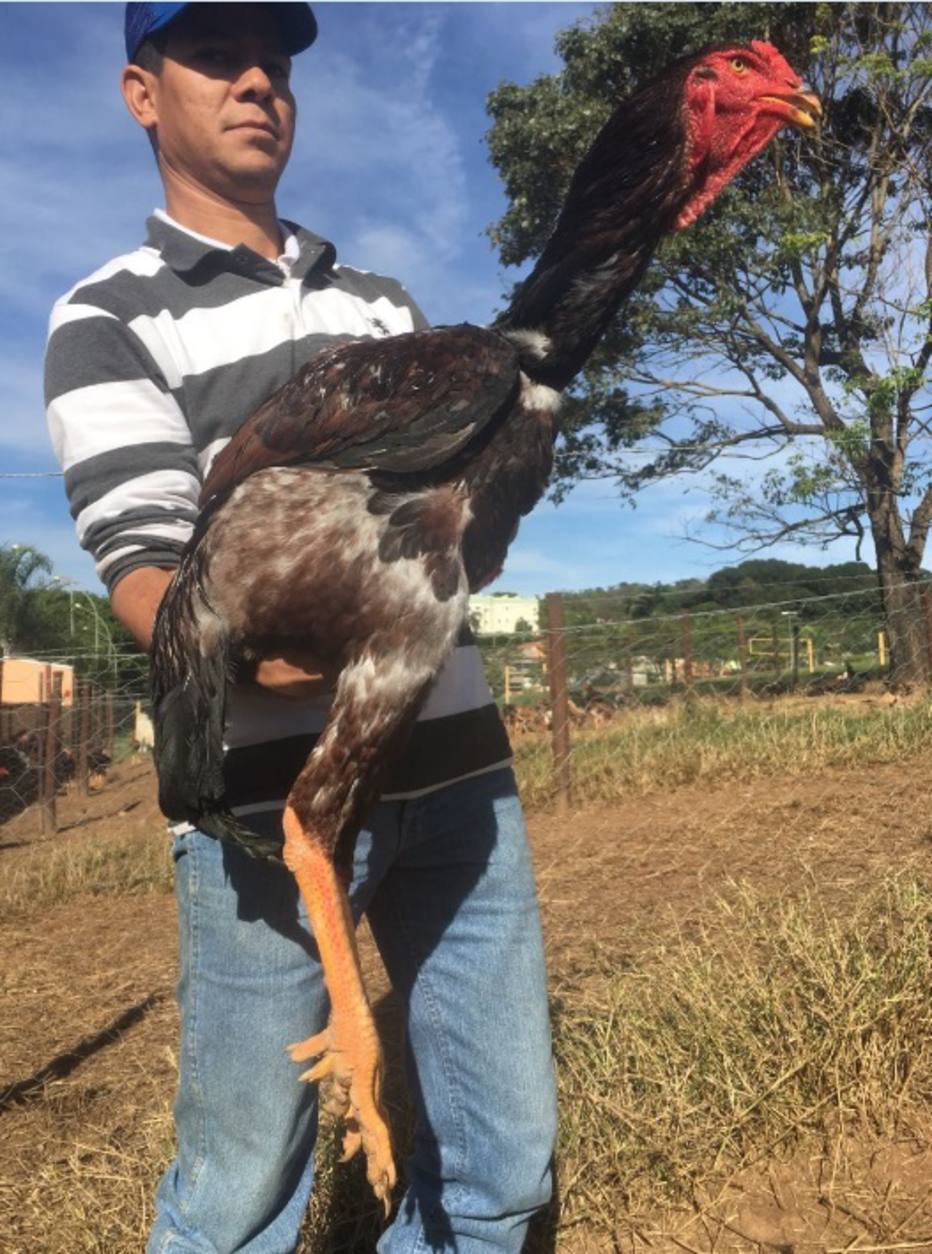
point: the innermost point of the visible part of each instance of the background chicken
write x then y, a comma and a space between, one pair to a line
353, 514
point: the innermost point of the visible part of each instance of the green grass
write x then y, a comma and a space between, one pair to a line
657, 750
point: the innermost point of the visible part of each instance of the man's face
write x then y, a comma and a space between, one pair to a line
224, 109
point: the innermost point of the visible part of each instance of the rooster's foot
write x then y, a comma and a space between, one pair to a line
352, 1063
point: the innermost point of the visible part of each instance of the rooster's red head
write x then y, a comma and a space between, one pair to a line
736, 98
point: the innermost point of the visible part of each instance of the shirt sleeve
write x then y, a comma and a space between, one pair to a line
131, 471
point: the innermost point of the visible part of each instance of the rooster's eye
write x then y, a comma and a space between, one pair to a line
739, 65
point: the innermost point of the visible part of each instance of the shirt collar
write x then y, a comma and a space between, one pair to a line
183, 250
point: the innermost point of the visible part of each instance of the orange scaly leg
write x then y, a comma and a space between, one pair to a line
348, 1048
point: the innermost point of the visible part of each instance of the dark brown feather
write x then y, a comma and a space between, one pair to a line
400, 405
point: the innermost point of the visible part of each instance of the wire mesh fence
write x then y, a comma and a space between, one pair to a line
567, 681
827, 643
587, 667
61, 729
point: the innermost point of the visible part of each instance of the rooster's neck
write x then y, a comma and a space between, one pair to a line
622, 200
562, 311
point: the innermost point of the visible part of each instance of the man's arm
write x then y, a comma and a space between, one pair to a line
136, 599
131, 472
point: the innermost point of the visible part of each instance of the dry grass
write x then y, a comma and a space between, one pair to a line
89, 1180
655, 750
779, 1019
123, 864
778, 1026
650, 751
777, 1022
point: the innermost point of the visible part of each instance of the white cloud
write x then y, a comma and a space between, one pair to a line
379, 167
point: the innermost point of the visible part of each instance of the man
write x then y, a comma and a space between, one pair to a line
153, 362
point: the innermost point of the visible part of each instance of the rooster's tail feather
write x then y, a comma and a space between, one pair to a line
190, 671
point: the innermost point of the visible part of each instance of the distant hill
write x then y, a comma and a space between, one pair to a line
755, 582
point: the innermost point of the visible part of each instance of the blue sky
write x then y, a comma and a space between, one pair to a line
390, 164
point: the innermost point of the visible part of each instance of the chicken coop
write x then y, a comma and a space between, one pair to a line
26, 681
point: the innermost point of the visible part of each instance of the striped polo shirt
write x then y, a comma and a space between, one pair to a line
153, 362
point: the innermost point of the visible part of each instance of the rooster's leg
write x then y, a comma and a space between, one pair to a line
376, 702
348, 1048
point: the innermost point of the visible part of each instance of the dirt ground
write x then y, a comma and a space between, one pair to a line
87, 1021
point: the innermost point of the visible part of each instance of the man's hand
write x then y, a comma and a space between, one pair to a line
299, 677
136, 599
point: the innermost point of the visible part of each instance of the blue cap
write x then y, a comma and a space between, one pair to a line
297, 22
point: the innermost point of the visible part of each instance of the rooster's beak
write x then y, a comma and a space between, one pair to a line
801, 108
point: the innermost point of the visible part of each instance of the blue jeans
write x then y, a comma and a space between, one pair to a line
446, 883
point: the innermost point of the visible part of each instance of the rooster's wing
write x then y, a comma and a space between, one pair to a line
403, 404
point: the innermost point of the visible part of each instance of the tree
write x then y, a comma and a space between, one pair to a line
21, 582
38, 616
80, 627
795, 320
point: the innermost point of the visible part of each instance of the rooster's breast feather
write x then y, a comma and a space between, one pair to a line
403, 404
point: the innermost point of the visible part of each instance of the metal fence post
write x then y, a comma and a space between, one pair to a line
559, 698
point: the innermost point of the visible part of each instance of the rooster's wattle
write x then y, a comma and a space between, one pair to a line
355, 511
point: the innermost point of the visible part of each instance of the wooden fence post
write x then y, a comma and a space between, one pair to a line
925, 600
559, 699
96, 737
795, 657
82, 695
41, 732
742, 661
52, 748
687, 646
108, 723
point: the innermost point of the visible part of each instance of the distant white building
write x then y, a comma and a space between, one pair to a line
491, 615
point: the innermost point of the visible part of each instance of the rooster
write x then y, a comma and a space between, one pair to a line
356, 510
